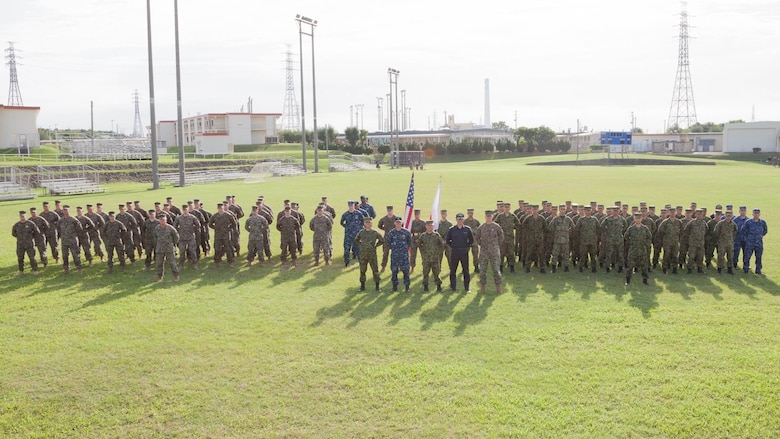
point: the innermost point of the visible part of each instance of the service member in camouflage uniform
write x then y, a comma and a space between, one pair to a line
696, 232
474, 224
444, 226
560, 227
25, 233
533, 232
670, 231
84, 241
113, 234
150, 238
188, 228
588, 232
223, 224
94, 234
69, 229
417, 228
368, 240
290, 230
683, 254
400, 243
386, 223
639, 239
40, 239
256, 225
489, 236
131, 224
167, 240
52, 236
508, 222
614, 227
725, 231
431, 247
322, 226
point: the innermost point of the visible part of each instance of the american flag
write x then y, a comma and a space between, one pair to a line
408, 212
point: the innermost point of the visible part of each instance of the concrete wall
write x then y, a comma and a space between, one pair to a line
213, 144
743, 137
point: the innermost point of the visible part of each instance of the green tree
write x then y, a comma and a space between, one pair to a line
500, 125
352, 134
637, 130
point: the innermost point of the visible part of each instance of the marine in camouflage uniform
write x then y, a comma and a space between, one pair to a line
431, 247
256, 225
84, 241
508, 222
533, 230
650, 224
238, 211
400, 242
40, 239
657, 239
167, 239
94, 234
696, 232
52, 236
386, 223
444, 226
670, 231
69, 229
560, 228
711, 241
290, 230
150, 238
489, 236
614, 227
25, 233
725, 231
639, 239
322, 226
132, 225
368, 240
188, 227
223, 224
684, 238
205, 238
417, 228
588, 232
113, 235
474, 224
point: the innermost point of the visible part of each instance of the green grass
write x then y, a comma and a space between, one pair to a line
270, 351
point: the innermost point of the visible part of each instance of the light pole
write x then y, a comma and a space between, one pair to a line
393, 74
155, 177
403, 110
179, 127
312, 24
379, 113
351, 116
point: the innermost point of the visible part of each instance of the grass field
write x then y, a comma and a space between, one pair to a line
271, 351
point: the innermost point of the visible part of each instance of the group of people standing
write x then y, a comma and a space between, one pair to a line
550, 236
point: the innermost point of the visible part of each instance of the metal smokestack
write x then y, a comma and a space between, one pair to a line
487, 103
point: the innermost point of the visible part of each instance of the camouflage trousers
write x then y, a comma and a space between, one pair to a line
322, 246
71, 250
533, 253
111, 248
637, 259
40, 244
254, 248
725, 255
560, 253
429, 266
695, 256
160, 257
365, 262
671, 250
615, 255
26, 250
494, 259
588, 255
86, 247
188, 249
508, 252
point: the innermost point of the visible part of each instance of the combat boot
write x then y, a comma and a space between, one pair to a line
482, 288
425, 288
690, 270
566, 269
674, 270
607, 270
498, 288
628, 280
594, 268
362, 286
719, 270
438, 288
554, 269
176, 277
580, 268
620, 269
730, 271
664, 270
476, 270
110, 270
699, 270
511, 268
377, 287
644, 280
35, 272
527, 269
395, 288
159, 278
541, 270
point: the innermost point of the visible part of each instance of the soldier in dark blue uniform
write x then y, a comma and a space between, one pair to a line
352, 221
400, 241
369, 209
753, 232
459, 238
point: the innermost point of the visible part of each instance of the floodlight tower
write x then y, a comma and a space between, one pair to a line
137, 127
14, 95
682, 112
394, 146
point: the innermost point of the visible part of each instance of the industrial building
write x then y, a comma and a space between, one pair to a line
19, 128
743, 137
218, 133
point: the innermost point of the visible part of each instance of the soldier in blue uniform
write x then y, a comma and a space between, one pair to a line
739, 240
352, 221
369, 209
753, 232
400, 241
459, 239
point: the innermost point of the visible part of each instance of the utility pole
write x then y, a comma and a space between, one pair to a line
379, 113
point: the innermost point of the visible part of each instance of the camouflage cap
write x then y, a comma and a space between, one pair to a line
429, 223
365, 220
460, 216
389, 207
488, 213
729, 213
416, 211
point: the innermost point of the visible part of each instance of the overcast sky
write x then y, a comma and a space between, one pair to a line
549, 62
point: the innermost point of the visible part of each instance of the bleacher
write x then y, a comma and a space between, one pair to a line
288, 170
109, 148
10, 190
71, 186
201, 176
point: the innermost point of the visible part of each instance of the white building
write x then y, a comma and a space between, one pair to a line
743, 137
19, 128
218, 133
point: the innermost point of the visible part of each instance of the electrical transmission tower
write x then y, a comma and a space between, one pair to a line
137, 128
682, 112
291, 116
14, 95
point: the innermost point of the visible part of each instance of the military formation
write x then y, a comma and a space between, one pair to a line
543, 237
